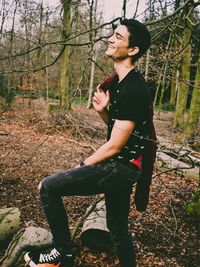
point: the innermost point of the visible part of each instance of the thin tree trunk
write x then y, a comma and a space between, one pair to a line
91, 86
175, 77
3, 17
164, 74
174, 86
175, 70
40, 28
159, 83
94, 55
64, 64
147, 65
184, 78
194, 112
47, 77
161, 79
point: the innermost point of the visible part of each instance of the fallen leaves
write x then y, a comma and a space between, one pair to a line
162, 235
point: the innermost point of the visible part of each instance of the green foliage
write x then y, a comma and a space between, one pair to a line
6, 92
29, 94
169, 107
3, 86
193, 208
80, 101
52, 94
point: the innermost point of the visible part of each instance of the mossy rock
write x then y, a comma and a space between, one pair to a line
9, 224
193, 208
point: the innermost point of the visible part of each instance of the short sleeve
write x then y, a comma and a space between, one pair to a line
133, 107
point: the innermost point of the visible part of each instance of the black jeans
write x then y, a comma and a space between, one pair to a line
113, 179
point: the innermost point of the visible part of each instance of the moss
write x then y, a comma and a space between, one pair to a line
193, 208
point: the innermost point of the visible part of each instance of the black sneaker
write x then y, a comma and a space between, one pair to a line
48, 258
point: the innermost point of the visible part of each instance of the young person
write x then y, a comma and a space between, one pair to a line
124, 103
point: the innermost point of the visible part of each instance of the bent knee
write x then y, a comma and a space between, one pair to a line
40, 186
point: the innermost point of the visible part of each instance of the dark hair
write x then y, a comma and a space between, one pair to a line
139, 36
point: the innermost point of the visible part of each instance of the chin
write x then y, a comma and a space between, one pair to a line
109, 53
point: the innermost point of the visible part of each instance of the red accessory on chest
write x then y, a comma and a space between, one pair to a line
137, 162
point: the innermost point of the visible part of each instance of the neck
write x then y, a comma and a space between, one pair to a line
123, 68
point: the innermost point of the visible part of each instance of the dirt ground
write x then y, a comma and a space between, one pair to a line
35, 144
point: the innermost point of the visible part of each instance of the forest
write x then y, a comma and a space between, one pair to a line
52, 58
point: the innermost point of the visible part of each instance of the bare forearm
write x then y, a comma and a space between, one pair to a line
104, 115
119, 136
105, 152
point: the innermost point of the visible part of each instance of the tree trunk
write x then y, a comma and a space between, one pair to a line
91, 86
94, 48
184, 78
194, 113
174, 88
161, 81
163, 84
64, 64
147, 65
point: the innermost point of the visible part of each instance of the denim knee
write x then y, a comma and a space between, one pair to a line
43, 193
43, 187
39, 187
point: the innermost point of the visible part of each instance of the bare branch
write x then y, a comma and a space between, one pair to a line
136, 9
62, 42
173, 14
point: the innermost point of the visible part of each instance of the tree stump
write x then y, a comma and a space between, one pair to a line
95, 234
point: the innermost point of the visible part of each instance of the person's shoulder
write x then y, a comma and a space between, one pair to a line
136, 84
136, 77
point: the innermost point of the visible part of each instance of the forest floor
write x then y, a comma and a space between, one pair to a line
35, 144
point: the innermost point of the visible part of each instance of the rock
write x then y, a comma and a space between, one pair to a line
9, 224
31, 237
193, 208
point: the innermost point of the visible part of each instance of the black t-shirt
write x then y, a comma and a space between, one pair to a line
130, 99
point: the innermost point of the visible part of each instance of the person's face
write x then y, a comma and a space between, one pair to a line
118, 43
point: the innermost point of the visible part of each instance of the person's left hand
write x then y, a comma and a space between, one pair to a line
100, 99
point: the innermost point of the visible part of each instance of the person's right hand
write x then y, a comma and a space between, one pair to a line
100, 99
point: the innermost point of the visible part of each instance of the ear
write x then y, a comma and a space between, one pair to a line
133, 51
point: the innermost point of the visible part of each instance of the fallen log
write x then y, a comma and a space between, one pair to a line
95, 234
177, 166
179, 158
181, 151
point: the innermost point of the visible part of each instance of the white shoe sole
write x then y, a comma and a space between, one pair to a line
29, 261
